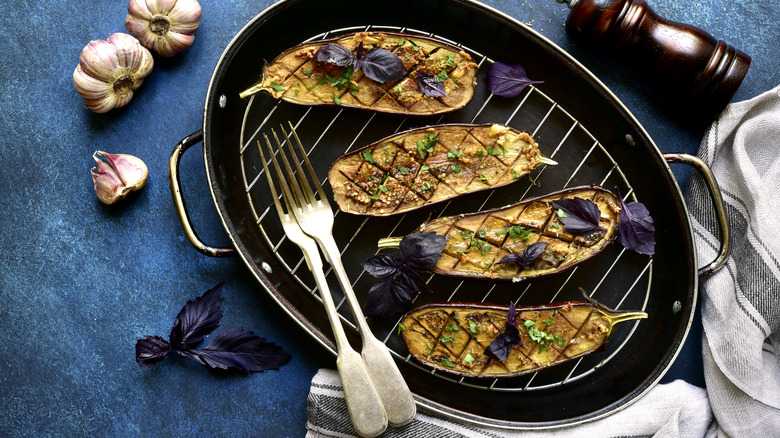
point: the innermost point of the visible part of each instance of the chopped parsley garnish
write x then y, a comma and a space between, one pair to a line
427, 145
403, 169
499, 150
276, 86
473, 328
452, 327
383, 189
447, 363
469, 359
455, 168
446, 339
308, 72
455, 153
516, 231
542, 337
368, 156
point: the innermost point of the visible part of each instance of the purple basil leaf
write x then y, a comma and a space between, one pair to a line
150, 350
393, 296
381, 65
236, 348
197, 318
429, 85
503, 343
507, 80
421, 251
334, 54
382, 301
526, 258
382, 266
411, 282
581, 216
636, 230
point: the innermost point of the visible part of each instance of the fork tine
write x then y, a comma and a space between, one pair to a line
274, 194
297, 197
289, 200
309, 167
301, 174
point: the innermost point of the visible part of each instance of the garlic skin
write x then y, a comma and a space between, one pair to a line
116, 175
165, 26
110, 71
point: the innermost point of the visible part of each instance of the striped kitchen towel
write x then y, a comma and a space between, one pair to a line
741, 302
740, 310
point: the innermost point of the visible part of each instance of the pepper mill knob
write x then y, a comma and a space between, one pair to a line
702, 71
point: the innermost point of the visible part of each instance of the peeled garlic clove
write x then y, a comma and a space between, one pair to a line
165, 26
116, 175
110, 71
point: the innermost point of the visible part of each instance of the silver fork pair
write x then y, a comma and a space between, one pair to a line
374, 389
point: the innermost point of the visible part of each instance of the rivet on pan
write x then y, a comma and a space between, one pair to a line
267, 268
222, 101
676, 307
630, 140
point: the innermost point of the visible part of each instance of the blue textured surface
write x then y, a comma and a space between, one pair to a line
82, 281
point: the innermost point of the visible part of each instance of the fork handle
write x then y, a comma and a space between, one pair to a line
366, 410
385, 375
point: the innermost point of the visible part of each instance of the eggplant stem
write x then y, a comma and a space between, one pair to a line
622, 317
251, 90
389, 242
547, 161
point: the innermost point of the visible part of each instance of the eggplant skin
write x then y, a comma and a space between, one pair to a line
295, 77
453, 337
478, 241
423, 166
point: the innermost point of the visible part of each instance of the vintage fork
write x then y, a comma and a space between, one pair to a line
366, 411
315, 218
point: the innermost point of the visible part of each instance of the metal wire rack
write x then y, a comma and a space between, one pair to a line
328, 132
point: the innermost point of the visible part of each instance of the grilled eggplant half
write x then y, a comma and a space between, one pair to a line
477, 242
295, 76
423, 166
453, 337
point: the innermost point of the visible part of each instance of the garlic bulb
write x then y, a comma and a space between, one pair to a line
109, 71
165, 26
116, 175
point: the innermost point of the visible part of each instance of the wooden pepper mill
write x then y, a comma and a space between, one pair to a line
702, 71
